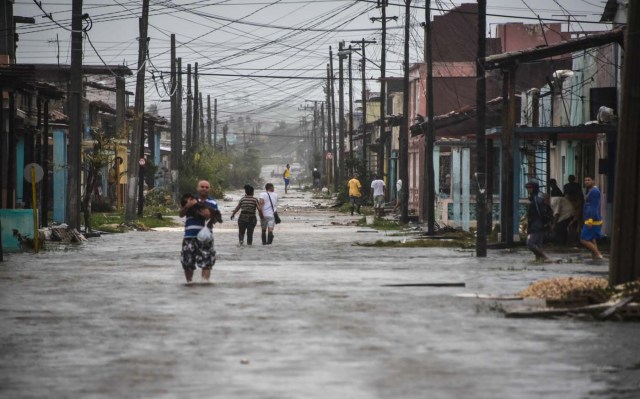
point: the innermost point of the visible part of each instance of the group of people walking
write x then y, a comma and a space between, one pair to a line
202, 212
567, 216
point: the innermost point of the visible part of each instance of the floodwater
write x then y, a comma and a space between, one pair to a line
308, 317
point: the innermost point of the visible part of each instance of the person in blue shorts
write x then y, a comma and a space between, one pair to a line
196, 253
592, 228
286, 175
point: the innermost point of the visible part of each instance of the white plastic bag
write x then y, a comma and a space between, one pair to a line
204, 234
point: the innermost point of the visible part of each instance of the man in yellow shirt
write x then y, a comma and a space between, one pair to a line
287, 176
355, 193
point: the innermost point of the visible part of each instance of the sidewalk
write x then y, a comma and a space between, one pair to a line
307, 317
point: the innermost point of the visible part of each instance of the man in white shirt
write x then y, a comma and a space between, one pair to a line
378, 188
269, 205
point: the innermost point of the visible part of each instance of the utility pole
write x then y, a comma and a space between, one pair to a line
329, 96
215, 122
404, 131
363, 43
625, 252
351, 157
189, 115
428, 181
382, 4
225, 129
174, 107
179, 117
340, 170
209, 119
195, 127
481, 157
75, 120
333, 116
201, 119
322, 133
137, 136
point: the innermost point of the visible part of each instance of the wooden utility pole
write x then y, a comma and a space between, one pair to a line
215, 122
174, 107
625, 251
508, 125
351, 152
44, 204
195, 126
209, 119
481, 145
329, 124
201, 120
428, 195
322, 137
225, 129
363, 123
137, 136
334, 130
189, 114
404, 130
382, 4
180, 132
340, 170
75, 118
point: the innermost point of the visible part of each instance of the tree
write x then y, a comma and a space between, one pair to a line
94, 161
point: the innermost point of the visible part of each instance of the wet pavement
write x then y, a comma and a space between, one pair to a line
308, 317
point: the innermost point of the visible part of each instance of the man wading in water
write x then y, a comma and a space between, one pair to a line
197, 253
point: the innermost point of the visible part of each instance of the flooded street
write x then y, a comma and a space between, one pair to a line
307, 317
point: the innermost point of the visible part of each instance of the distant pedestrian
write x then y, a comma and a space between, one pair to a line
378, 190
316, 179
248, 205
286, 175
592, 227
535, 222
399, 194
269, 206
195, 252
355, 193
554, 190
563, 217
572, 188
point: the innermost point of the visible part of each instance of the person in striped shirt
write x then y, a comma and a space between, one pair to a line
196, 253
247, 220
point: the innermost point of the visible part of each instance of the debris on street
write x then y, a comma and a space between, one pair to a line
580, 296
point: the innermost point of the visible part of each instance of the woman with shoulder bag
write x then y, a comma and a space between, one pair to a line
247, 220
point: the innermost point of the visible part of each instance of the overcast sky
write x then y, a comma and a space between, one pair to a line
284, 38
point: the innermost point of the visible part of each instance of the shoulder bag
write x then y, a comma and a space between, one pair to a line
275, 214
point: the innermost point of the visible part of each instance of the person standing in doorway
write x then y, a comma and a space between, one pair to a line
197, 253
316, 179
247, 220
554, 190
535, 222
592, 219
573, 192
286, 175
378, 189
269, 205
355, 193
563, 218
399, 195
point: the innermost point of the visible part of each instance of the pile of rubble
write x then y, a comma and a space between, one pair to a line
567, 289
583, 296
